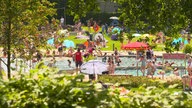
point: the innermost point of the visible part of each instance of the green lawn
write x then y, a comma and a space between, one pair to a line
110, 43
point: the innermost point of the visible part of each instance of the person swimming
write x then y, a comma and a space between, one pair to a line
176, 71
69, 63
104, 59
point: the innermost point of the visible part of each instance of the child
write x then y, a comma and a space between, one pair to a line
52, 63
60, 50
112, 68
176, 72
69, 63
99, 52
118, 62
54, 60
39, 56
70, 52
104, 58
53, 54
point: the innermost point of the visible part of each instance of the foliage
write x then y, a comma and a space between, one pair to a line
43, 87
153, 45
73, 10
177, 46
121, 37
134, 81
130, 36
187, 49
20, 22
101, 18
152, 97
140, 40
89, 57
147, 39
26, 17
60, 6
154, 16
168, 46
79, 8
110, 42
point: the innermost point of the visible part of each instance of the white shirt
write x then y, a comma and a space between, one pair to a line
62, 20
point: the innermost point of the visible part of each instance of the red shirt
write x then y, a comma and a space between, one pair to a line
78, 56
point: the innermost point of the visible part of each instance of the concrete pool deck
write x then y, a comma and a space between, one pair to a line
121, 53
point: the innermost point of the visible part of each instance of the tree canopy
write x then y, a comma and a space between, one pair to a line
169, 16
76, 8
20, 21
79, 8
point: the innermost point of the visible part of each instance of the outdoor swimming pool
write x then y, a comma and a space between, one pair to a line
131, 61
62, 64
135, 72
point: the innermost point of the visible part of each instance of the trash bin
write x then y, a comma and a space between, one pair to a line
105, 72
91, 77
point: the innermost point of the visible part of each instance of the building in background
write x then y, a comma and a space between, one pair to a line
108, 6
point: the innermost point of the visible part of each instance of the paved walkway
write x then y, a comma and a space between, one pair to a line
158, 53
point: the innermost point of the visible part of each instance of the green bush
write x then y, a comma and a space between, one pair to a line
153, 45
137, 81
187, 49
168, 46
152, 97
42, 87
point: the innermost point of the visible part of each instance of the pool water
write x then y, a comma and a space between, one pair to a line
131, 61
62, 64
134, 72
126, 61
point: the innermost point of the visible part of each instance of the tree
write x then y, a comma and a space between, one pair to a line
79, 8
20, 20
60, 6
169, 46
130, 37
169, 16
121, 37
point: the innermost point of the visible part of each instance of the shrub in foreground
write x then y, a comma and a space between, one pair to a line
44, 88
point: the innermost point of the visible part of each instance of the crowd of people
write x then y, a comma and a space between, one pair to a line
148, 60
112, 60
82, 55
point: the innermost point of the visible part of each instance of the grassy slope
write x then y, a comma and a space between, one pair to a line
109, 46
